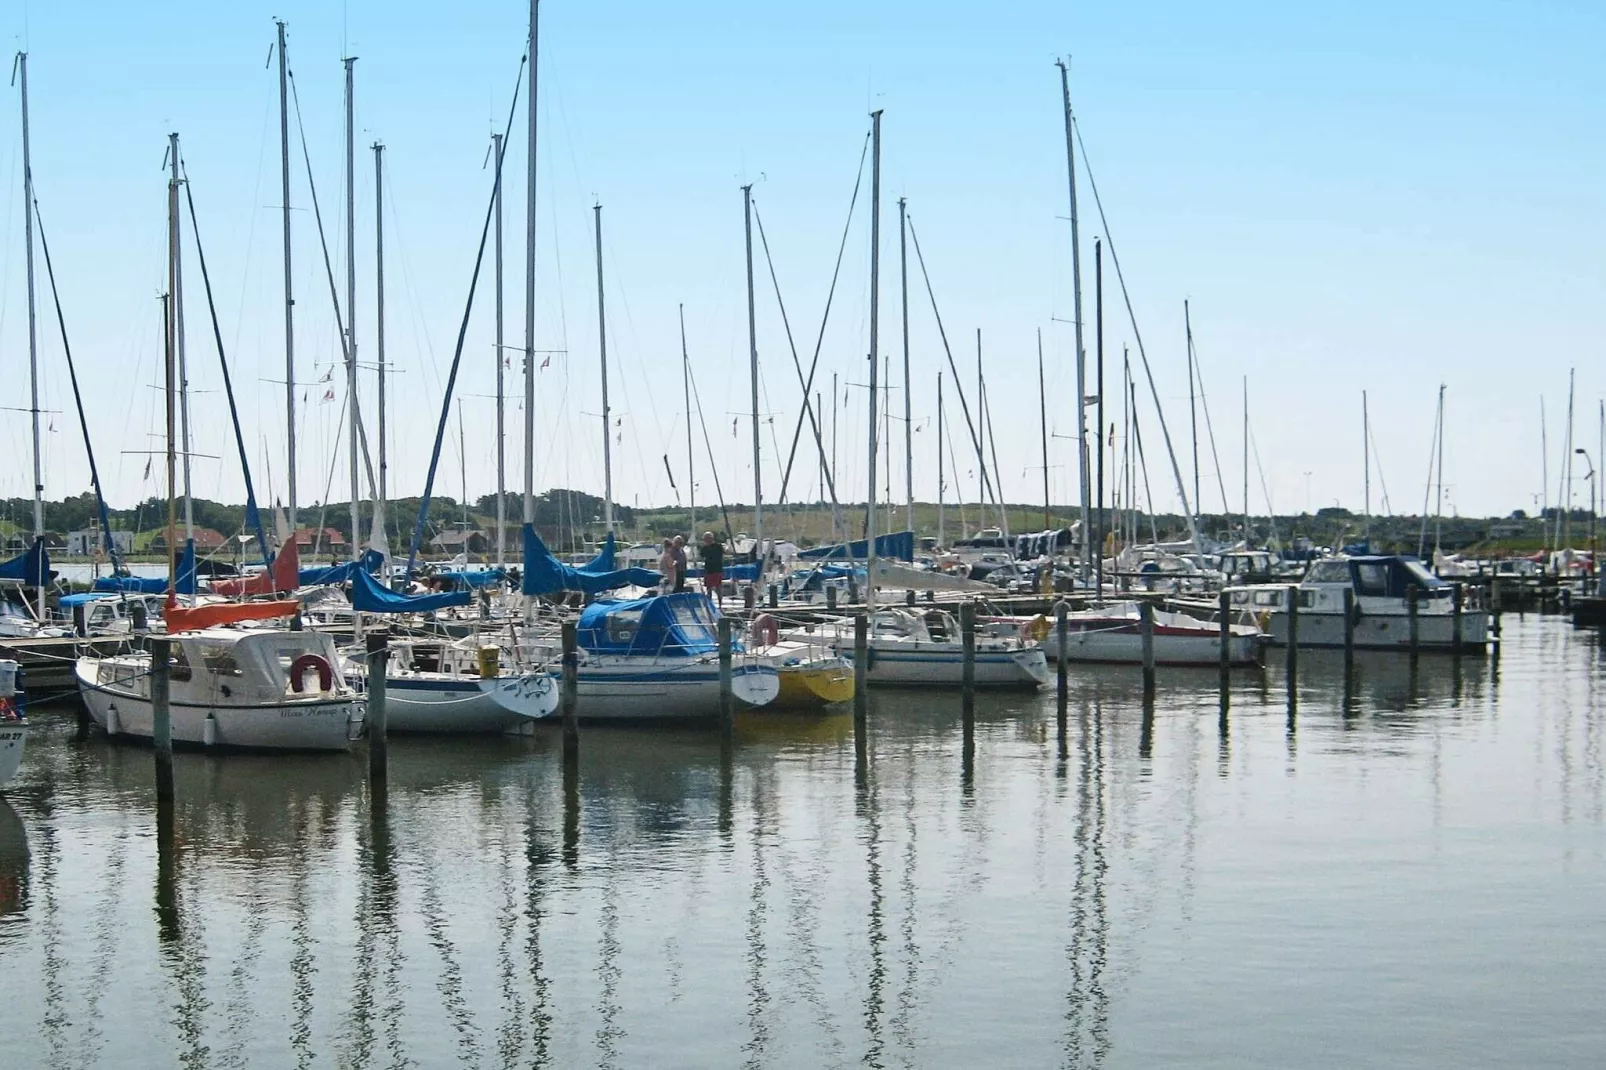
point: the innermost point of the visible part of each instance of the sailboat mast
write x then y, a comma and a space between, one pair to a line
170, 380
1246, 462
178, 344
836, 407
940, 517
981, 435
602, 357
752, 358
1438, 509
383, 489
289, 298
1566, 470
352, 421
1544, 471
529, 273
1042, 424
1366, 468
1076, 287
501, 393
875, 342
33, 321
1193, 409
1098, 431
685, 383
908, 389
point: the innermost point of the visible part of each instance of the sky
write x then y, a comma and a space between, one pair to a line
1352, 197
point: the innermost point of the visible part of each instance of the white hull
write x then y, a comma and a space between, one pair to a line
310, 724
13, 738
667, 689
1376, 630
443, 703
1119, 646
895, 664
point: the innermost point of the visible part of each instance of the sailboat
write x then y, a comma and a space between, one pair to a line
233, 687
13, 723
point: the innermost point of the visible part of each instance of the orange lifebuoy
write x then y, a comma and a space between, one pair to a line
765, 631
298, 672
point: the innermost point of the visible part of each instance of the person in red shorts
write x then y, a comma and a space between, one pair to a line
713, 558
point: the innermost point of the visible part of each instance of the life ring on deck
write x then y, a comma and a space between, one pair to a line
764, 630
298, 672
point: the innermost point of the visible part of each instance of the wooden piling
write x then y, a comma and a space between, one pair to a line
80, 621
1413, 634
1146, 632
1455, 618
1349, 631
1062, 649
727, 706
1293, 639
378, 740
830, 596
749, 596
1225, 609
569, 695
162, 715
774, 596
140, 621
967, 638
861, 669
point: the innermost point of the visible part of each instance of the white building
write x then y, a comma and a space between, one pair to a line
84, 543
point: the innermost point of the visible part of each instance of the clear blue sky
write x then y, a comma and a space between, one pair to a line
1352, 196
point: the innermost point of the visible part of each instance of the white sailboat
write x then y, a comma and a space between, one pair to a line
13, 724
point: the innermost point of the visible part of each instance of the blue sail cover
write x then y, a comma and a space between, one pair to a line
368, 596
671, 625
897, 544
820, 575
32, 568
732, 572
475, 578
334, 575
545, 574
603, 562
184, 584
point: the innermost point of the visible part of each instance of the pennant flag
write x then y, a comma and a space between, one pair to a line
328, 375
329, 395
547, 362
147, 474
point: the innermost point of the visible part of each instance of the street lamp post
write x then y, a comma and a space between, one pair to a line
1590, 475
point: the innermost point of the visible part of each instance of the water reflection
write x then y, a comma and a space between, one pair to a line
13, 869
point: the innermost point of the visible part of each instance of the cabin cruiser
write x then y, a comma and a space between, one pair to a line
1113, 635
923, 648
1381, 589
13, 722
1239, 568
252, 689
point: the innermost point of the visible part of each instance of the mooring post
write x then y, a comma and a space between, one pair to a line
378, 740
1455, 618
139, 618
749, 596
569, 695
1146, 632
967, 638
1062, 657
1349, 631
830, 596
774, 598
1413, 636
80, 621
1293, 640
727, 711
162, 716
861, 670
908, 598
1226, 640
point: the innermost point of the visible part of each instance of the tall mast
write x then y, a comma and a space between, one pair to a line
1098, 432
33, 328
289, 298
1566, 470
1544, 471
1076, 286
1438, 510
908, 389
1366, 468
529, 275
379, 334
501, 394
836, 512
602, 353
939, 462
170, 380
1246, 462
1042, 424
178, 344
875, 342
981, 437
1193, 409
685, 383
352, 421
752, 357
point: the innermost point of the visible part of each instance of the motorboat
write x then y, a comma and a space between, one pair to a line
657, 658
923, 648
249, 689
1381, 591
13, 722
1114, 635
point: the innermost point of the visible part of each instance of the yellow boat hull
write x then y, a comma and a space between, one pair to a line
815, 685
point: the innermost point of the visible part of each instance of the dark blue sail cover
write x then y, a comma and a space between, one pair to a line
603, 562
545, 574
31, 568
184, 584
475, 578
371, 561
671, 625
367, 596
898, 544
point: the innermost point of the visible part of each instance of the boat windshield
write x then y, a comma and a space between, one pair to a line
1329, 572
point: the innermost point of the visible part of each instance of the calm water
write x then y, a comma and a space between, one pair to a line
1414, 879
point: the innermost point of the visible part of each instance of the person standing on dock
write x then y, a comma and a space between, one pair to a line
713, 558
680, 563
666, 567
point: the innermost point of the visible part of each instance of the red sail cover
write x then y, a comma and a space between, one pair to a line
284, 578
181, 619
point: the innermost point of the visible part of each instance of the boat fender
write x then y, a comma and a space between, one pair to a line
298, 672
765, 631
1037, 628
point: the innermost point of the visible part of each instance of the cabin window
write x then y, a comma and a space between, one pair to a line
622, 626
219, 659
1372, 579
1329, 572
179, 665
